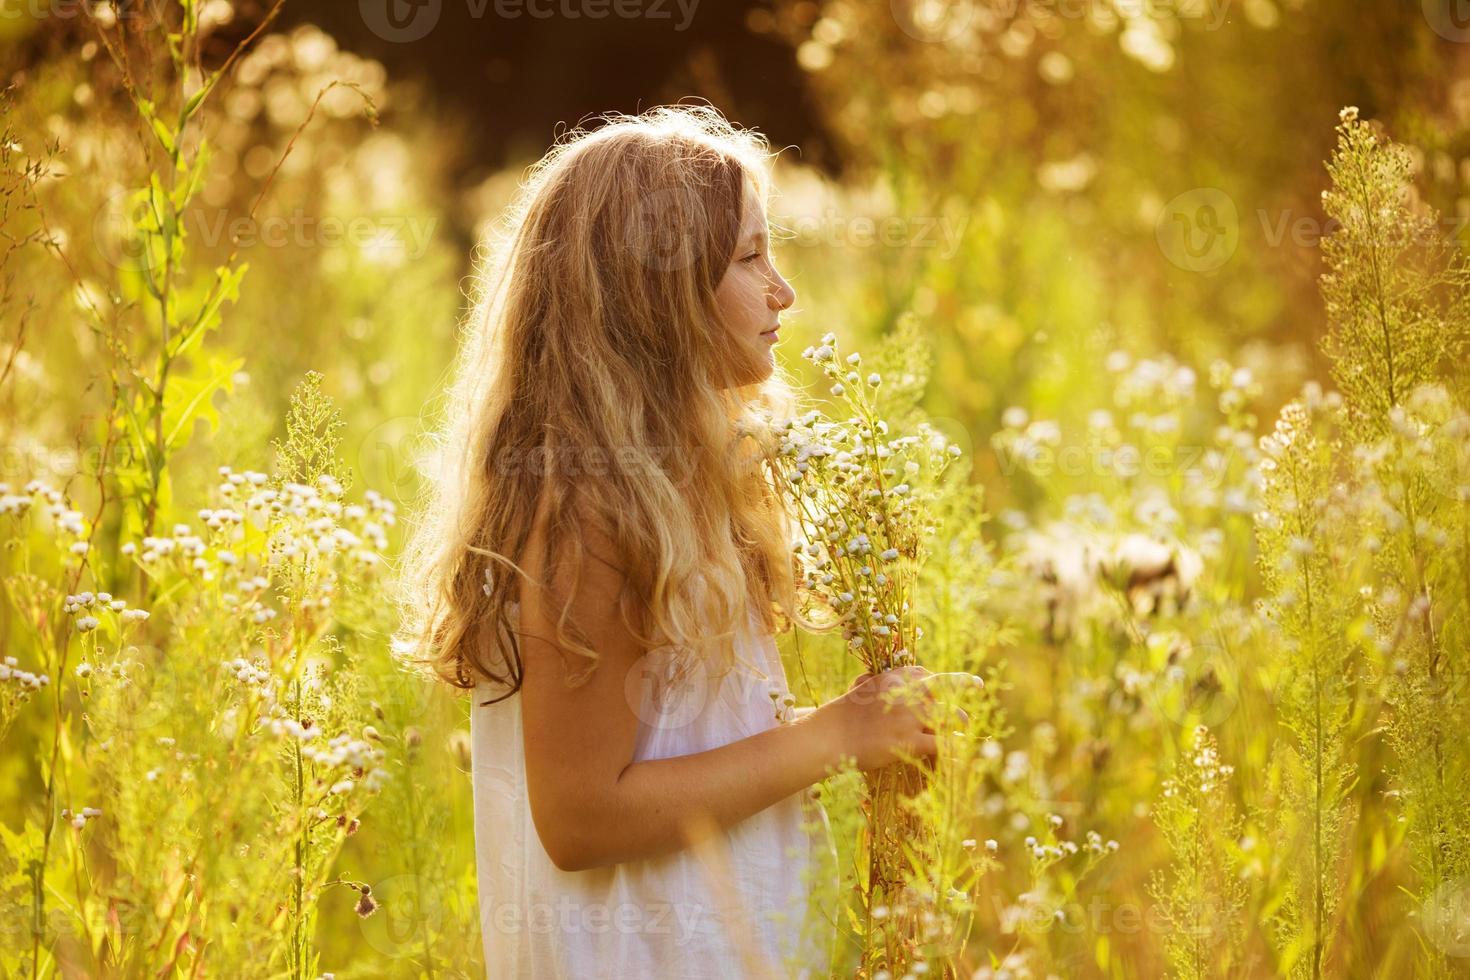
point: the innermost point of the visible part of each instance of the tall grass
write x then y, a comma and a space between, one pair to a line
1224, 640
1203, 897
1397, 292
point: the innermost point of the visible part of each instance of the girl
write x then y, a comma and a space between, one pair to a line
602, 562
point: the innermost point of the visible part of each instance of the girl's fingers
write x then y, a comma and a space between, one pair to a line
935, 712
956, 680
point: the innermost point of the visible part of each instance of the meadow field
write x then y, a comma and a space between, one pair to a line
1180, 290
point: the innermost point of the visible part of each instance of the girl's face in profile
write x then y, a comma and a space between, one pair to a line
752, 293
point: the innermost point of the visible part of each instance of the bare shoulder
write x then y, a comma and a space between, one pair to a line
585, 579
579, 725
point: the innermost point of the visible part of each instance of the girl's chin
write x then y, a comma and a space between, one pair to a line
760, 369
767, 359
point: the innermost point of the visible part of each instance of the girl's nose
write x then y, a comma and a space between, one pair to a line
782, 296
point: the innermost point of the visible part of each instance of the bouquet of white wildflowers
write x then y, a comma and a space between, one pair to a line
861, 495
861, 498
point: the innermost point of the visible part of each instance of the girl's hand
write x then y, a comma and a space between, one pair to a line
883, 715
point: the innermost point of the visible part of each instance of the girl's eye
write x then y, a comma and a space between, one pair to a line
751, 257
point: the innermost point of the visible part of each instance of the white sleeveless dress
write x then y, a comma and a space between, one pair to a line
738, 909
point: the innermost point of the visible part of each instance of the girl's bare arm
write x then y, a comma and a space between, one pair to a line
591, 804
662, 805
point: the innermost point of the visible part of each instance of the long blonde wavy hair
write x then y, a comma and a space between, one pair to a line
594, 369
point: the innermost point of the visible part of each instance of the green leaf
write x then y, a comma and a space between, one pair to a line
137, 411
196, 100
1379, 852
189, 185
162, 212
189, 398
853, 920
20, 854
226, 288
164, 134
19, 848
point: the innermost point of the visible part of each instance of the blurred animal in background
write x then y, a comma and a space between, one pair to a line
1083, 572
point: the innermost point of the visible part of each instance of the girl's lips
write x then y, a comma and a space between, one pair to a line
772, 333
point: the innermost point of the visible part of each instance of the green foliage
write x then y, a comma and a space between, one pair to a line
313, 440
1307, 558
1397, 289
193, 713
1398, 298
1106, 400
1203, 899
21, 858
